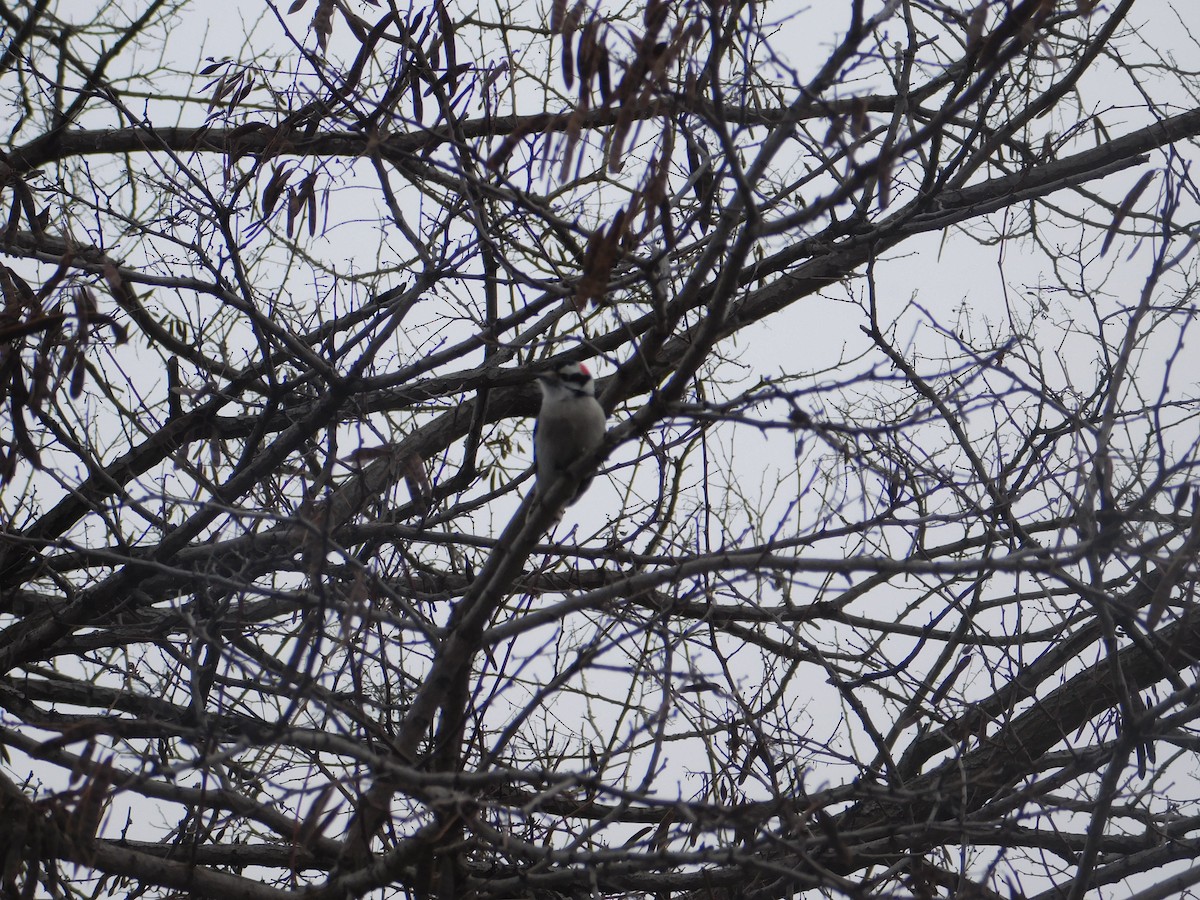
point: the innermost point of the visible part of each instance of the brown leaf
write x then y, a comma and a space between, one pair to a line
224, 85
568, 61
416, 24
586, 57
654, 16
620, 132
885, 183
18, 295
120, 289
236, 144
418, 105
25, 198
77, 375
1123, 210
308, 191
446, 24
274, 189
532, 124
85, 307
312, 824
322, 22
14, 223
417, 480
834, 133
242, 93
493, 75
573, 131
598, 260
295, 204
656, 187
975, 25
860, 119
575, 16
603, 70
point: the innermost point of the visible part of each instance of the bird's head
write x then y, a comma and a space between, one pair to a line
567, 378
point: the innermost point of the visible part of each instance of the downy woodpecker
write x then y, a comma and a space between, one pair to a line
570, 425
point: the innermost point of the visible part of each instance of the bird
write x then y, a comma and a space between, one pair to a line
570, 425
